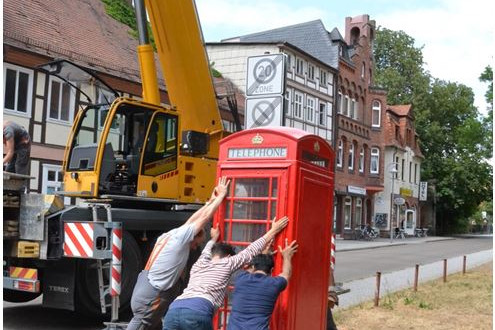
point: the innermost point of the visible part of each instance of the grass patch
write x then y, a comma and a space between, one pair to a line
464, 302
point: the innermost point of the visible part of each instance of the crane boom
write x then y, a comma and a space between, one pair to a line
184, 62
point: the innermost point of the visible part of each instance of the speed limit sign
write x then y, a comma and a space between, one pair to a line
265, 75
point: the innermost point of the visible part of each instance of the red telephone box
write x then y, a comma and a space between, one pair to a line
276, 172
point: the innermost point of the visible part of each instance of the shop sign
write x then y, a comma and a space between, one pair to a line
423, 190
356, 190
406, 192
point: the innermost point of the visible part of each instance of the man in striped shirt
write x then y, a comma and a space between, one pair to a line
210, 276
158, 284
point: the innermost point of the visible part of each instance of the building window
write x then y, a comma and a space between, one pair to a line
53, 178
340, 153
311, 72
415, 173
410, 172
374, 160
351, 157
287, 103
323, 78
376, 114
352, 109
363, 70
61, 100
356, 110
402, 169
347, 213
359, 211
18, 89
298, 105
105, 97
289, 64
361, 160
322, 114
339, 99
345, 106
397, 167
330, 82
228, 125
299, 66
310, 109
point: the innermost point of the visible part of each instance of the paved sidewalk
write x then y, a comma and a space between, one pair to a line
349, 245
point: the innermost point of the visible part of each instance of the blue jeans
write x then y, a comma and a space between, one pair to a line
186, 319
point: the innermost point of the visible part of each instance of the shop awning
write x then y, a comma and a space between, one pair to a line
374, 189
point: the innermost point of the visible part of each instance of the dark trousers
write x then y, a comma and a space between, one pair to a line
330, 322
186, 319
20, 161
149, 304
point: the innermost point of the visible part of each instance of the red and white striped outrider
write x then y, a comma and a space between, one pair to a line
116, 261
79, 240
332, 253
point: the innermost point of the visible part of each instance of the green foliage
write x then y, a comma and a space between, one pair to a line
487, 76
123, 12
408, 301
424, 305
454, 139
214, 72
388, 303
399, 67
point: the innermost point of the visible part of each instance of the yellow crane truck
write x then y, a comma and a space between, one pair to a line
139, 166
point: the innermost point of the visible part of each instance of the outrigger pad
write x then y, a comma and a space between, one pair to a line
58, 284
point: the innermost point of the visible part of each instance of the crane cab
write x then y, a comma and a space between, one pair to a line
115, 150
129, 149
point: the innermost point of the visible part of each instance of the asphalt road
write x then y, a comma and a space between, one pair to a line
350, 265
353, 265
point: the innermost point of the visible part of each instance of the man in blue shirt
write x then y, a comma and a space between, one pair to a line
256, 291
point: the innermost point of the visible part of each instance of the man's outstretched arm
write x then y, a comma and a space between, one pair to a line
287, 254
204, 214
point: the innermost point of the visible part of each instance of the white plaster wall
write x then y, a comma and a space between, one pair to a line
57, 134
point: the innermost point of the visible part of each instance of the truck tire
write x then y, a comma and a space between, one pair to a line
15, 296
87, 293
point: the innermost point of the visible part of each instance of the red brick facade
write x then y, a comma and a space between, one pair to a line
359, 141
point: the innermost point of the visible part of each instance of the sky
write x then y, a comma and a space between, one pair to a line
457, 36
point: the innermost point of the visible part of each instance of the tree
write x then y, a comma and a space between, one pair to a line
399, 67
487, 76
454, 138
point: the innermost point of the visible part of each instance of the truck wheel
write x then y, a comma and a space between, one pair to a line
15, 296
87, 293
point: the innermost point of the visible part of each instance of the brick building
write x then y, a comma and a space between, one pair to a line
402, 152
360, 120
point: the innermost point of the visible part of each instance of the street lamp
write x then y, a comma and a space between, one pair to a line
392, 169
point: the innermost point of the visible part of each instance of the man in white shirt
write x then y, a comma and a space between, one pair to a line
157, 285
